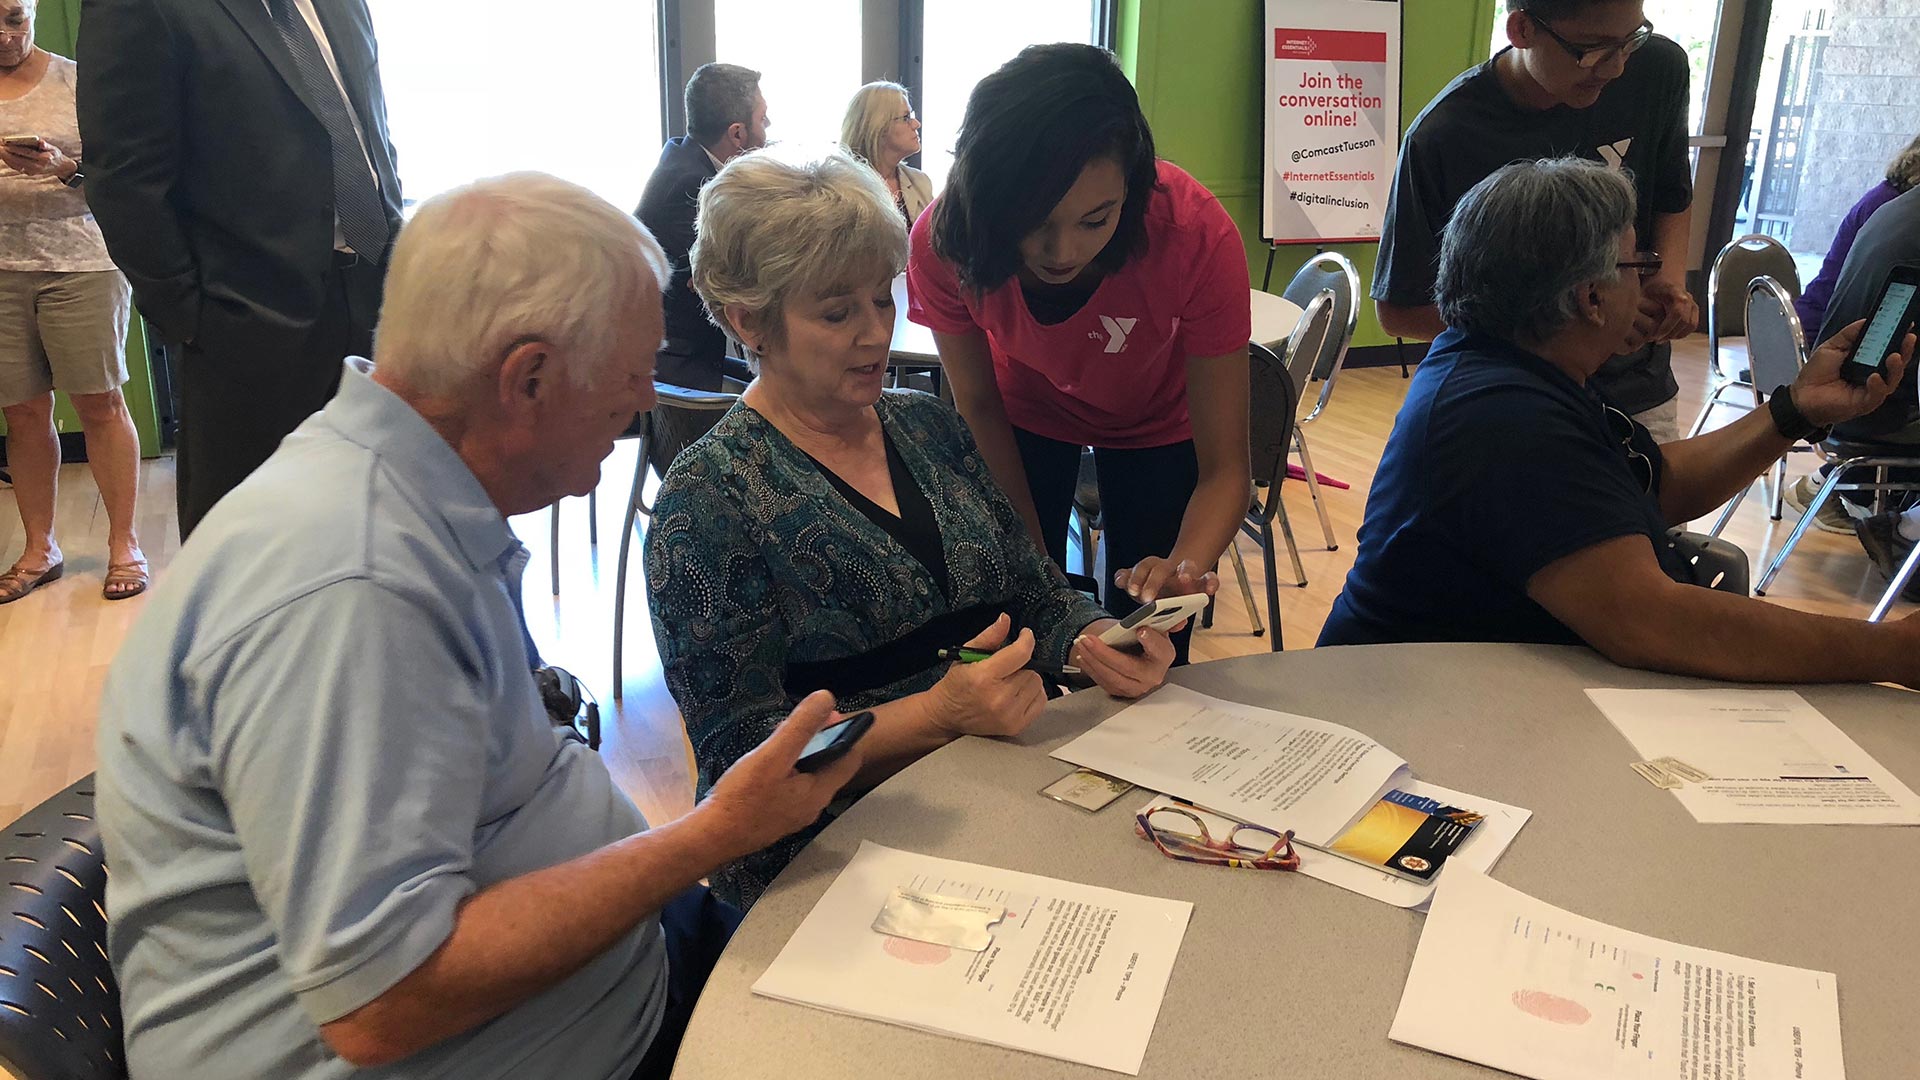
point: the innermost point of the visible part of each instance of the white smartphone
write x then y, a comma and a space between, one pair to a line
24, 142
1163, 614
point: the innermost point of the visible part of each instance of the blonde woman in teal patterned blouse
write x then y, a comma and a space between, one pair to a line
832, 534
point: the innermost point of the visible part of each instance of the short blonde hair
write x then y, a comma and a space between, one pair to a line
869, 115
777, 224
521, 257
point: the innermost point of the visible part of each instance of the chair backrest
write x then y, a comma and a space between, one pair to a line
1714, 563
1271, 406
1774, 344
59, 1004
1329, 270
1742, 260
1312, 338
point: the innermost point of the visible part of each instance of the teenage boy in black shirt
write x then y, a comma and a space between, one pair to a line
1583, 77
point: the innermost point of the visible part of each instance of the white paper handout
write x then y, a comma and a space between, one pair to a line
1251, 764
1488, 842
1505, 980
1770, 757
1074, 971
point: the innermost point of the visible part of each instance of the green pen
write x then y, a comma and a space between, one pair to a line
960, 654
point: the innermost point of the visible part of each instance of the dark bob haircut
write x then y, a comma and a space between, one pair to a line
1030, 128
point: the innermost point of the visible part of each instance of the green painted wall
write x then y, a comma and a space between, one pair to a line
55, 26
1198, 67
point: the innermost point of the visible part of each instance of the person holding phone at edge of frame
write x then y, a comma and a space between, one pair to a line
1584, 77
64, 310
1084, 293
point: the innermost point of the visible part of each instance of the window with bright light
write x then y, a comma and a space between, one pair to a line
965, 42
808, 56
476, 88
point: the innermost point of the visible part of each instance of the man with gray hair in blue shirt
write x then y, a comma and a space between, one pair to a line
344, 833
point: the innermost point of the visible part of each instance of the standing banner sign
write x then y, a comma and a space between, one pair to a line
1333, 118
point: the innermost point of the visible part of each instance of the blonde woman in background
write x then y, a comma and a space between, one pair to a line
881, 130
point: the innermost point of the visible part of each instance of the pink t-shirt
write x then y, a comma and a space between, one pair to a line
1114, 374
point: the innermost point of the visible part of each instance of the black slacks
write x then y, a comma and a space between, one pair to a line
239, 397
697, 926
1143, 497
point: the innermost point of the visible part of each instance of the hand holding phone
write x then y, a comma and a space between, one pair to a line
832, 743
1163, 615
1892, 317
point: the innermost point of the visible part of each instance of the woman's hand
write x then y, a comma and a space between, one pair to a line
1154, 577
1123, 673
1823, 397
996, 696
47, 160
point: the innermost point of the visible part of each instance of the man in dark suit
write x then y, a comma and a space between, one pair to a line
239, 164
726, 117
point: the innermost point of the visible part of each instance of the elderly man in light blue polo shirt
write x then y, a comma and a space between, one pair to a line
344, 833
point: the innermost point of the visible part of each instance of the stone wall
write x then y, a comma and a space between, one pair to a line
1866, 107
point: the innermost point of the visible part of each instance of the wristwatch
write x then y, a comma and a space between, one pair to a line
1790, 422
74, 180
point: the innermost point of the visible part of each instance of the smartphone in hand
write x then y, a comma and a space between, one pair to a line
833, 742
1892, 317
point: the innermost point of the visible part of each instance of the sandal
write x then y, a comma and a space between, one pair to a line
20, 581
129, 578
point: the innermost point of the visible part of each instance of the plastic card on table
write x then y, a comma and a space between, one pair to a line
939, 920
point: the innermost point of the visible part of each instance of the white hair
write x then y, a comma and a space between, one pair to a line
504, 261
781, 224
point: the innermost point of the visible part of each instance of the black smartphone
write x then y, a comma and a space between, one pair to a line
833, 742
1895, 314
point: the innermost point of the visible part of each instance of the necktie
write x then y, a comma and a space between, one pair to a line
356, 200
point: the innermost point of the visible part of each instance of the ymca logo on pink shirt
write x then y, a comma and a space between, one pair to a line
1117, 331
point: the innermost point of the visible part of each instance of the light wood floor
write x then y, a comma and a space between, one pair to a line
56, 644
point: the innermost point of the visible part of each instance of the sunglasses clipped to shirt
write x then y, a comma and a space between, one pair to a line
1592, 54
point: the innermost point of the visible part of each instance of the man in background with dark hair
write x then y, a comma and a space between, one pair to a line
726, 117
1586, 78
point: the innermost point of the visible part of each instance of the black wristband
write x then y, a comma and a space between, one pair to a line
1789, 421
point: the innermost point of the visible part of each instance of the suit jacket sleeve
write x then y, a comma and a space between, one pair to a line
130, 98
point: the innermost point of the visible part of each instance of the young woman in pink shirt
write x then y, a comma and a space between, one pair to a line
1083, 293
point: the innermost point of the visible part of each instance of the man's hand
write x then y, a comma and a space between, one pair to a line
1667, 312
1121, 672
762, 798
1154, 577
1823, 397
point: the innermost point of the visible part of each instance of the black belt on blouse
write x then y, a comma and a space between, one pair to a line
908, 654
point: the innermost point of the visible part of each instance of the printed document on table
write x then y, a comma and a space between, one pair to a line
1505, 980
1074, 971
1488, 842
1251, 764
1771, 758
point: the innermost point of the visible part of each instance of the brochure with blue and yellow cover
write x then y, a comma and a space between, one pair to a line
1407, 835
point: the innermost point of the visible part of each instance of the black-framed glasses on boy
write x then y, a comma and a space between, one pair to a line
1621, 427
1592, 54
1645, 263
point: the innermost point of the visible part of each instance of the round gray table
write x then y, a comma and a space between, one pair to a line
1282, 975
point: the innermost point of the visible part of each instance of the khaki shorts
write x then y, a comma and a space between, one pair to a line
62, 331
